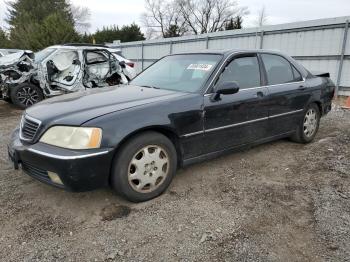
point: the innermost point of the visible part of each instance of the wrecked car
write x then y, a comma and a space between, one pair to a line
26, 79
4, 52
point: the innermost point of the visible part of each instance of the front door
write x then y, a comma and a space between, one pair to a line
241, 118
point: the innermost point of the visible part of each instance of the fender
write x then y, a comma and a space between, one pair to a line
179, 119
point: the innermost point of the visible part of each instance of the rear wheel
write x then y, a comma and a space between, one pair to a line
308, 126
144, 167
25, 95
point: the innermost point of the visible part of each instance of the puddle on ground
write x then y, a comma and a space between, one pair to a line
113, 211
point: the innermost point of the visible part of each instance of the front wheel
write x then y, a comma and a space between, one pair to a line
25, 95
144, 167
308, 126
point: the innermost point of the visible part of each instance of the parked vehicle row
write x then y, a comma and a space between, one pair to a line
26, 79
183, 109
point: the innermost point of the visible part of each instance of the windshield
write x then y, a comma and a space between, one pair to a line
41, 55
184, 73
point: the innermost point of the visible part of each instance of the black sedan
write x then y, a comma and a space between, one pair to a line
183, 109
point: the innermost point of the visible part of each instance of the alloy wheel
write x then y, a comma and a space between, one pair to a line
27, 96
310, 122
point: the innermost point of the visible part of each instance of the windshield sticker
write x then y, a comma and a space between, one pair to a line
204, 67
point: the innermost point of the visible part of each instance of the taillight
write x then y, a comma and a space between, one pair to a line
130, 64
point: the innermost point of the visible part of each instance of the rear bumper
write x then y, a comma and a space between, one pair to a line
79, 170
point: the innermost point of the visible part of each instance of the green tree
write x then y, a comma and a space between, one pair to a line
131, 33
55, 30
21, 11
234, 23
35, 24
174, 31
86, 38
4, 41
126, 33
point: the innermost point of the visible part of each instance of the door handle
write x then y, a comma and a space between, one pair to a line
301, 87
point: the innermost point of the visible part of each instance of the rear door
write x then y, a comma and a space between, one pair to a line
102, 69
288, 93
239, 118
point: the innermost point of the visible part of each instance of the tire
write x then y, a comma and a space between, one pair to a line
308, 125
25, 95
139, 172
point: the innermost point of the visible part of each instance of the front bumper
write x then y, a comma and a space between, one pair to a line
79, 170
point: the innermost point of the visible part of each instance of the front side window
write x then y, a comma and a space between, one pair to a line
244, 71
64, 59
184, 73
279, 70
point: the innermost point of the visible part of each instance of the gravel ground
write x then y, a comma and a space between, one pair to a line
276, 202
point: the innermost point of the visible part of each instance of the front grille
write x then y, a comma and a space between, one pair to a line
35, 172
29, 127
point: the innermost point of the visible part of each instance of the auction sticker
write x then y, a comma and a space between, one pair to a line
204, 67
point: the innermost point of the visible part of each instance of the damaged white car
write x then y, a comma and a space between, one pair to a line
26, 79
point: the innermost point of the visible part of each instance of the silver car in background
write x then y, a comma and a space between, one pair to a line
56, 70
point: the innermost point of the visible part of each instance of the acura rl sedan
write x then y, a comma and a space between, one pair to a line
183, 109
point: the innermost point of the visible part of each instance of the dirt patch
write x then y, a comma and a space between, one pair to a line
280, 201
113, 211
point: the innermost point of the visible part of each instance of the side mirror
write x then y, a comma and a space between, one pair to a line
225, 88
122, 64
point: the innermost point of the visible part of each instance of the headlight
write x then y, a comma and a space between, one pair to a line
73, 137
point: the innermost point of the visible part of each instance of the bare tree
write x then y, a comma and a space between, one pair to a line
178, 17
262, 17
161, 17
81, 16
205, 16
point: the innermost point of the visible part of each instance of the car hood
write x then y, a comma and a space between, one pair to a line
79, 107
9, 60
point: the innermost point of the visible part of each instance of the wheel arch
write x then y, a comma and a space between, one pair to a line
318, 104
166, 131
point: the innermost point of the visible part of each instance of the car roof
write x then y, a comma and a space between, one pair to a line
78, 47
227, 52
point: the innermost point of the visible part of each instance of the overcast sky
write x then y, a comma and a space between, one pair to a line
119, 12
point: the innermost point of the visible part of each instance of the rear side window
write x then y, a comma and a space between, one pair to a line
296, 74
244, 71
279, 70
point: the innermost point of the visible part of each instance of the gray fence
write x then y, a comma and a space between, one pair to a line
320, 45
